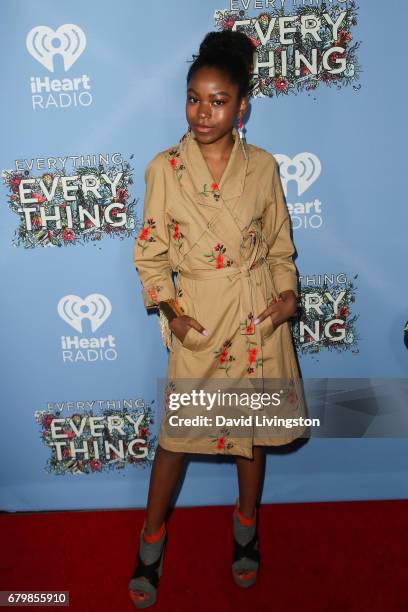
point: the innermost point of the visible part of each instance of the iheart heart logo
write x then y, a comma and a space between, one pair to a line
73, 309
307, 169
43, 43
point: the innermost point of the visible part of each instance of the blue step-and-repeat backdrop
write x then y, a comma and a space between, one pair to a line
90, 93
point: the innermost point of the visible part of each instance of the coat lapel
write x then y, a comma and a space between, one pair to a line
206, 191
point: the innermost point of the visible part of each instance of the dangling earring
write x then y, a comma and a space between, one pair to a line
242, 137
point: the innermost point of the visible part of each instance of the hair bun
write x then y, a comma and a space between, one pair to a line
230, 43
230, 52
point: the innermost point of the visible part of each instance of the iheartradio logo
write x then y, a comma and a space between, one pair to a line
43, 43
307, 169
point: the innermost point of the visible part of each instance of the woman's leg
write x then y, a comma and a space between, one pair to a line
166, 472
250, 475
245, 560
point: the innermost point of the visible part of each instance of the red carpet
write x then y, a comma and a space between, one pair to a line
317, 557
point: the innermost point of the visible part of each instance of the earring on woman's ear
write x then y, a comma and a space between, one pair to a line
242, 137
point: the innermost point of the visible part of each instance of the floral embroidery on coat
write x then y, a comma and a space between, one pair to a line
152, 292
217, 256
224, 357
176, 235
221, 442
145, 236
213, 190
254, 361
173, 157
247, 326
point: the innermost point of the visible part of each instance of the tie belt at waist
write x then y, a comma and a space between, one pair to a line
246, 297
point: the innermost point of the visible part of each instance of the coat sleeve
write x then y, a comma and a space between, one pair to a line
276, 228
150, 253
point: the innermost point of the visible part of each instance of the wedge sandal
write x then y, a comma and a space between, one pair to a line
245, 557
144, 582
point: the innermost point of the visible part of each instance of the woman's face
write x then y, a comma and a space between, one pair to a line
212, 104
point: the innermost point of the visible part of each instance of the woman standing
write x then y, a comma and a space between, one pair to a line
214, 213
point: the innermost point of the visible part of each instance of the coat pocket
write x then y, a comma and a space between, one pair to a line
188, 298
193, 340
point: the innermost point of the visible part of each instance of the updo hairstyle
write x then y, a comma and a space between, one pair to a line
231, 53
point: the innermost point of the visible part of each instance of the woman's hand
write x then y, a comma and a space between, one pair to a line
280, 310
180, 326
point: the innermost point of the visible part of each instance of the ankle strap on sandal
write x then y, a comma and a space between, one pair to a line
147, 571
247, 551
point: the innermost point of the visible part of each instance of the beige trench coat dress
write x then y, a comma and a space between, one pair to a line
230, 245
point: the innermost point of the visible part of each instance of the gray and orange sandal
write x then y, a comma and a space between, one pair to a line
144, 582
245, 557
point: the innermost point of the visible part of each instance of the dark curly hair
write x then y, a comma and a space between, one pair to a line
231, 53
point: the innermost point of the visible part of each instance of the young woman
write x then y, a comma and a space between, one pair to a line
214, 213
